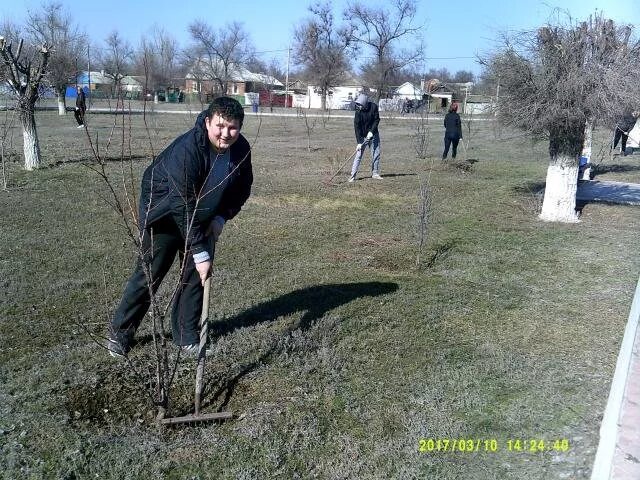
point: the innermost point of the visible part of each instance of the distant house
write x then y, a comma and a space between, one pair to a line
477, 104
99, 84
240, 82
92, 83
339, 97
408, 91
438, 94
131, 84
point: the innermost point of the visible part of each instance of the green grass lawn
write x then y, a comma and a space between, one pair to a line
336, 353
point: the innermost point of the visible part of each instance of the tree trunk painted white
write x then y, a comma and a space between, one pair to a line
31, 146
586, 149
559, 204
62, 107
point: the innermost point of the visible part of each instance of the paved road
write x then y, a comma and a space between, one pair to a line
618, 456
609, 192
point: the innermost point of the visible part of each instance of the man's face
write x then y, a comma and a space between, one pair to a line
222, 133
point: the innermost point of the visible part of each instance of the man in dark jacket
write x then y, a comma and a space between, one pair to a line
452, 131
365, 122
624, 126
81, 107
191, 189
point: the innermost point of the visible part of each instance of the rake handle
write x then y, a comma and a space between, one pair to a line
202, 347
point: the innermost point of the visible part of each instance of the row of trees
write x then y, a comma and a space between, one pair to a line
371, 36
56, 50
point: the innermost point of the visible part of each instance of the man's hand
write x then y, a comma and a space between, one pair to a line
203, 269
359, 147
369, 136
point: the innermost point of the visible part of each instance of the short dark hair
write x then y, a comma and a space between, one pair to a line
228, 108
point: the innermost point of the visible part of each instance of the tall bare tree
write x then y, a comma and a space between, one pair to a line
116, 59
25, 70
380, 30
442, 74
53, 26
216, 54
557, 79
146, 63
321, 49
156, 58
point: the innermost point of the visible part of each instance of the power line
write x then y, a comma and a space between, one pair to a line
448, 58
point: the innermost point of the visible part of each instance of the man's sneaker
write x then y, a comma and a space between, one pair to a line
376, 176
116, 349
352, 178
80, 126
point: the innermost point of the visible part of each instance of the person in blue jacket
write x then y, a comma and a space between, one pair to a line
188, 193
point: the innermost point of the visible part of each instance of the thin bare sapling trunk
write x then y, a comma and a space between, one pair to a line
6, 143
310, 125
425, 206
420, 137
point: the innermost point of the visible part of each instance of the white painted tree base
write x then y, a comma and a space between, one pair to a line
31, 147
559, 204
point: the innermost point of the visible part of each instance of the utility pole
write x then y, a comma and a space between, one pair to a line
89, 75
466, 94
286, 82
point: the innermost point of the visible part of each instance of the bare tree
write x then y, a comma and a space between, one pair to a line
156, 59
321, 49
310, 125
269, 74
463, 76
556, 79
25, 71
217, 54
380, 31
116, 59
6, 143
53, 26
147, 64
441, 74
421, 133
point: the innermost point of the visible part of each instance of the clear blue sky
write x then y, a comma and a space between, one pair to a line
454, 31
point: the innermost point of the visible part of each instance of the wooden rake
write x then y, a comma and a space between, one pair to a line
202, 355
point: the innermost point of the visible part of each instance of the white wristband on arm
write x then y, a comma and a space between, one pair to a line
201, 257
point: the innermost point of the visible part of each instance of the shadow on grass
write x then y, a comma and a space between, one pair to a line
92, 161
604, 169
531, 188
315, 302
392, 175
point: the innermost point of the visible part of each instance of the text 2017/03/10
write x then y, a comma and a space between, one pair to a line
533, 445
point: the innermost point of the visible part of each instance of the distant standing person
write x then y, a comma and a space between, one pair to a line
452, 131
81, 107
365, 122
624, 126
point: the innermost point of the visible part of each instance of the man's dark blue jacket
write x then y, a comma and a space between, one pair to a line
171, 185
